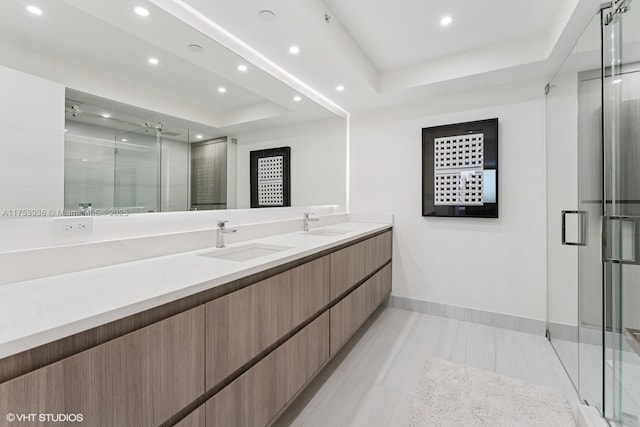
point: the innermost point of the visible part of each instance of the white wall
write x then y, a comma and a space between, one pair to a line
497, 265
31, 142
318, 161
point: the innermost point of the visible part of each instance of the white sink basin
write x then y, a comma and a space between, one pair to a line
327, 232
245, 252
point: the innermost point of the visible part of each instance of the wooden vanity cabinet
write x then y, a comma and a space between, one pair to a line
242, 324
242, 356
264, 390
256, 397
348, 315
139, 379
352, 264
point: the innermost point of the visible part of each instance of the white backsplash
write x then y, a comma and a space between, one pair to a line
125, 239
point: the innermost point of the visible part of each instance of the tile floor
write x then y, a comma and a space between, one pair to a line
372, 380
588, 359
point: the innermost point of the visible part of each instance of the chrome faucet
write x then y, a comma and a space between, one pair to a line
306, 220
221, 231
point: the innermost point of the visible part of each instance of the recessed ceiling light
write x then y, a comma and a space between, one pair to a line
195, 48
297, 98
141, 11
242, 68
294, 50
267, 15
124, 140
447, 20
35, 10
198, 136
340, 88
222, 89
105, 115
154, 61
85, 160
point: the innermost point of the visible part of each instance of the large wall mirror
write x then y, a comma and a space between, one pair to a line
153, 116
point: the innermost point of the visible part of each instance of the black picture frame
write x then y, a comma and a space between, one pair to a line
489, 206
255, 156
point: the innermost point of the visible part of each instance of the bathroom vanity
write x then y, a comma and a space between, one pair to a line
246, 328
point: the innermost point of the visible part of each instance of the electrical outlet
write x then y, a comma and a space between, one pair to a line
72, 227
75, 227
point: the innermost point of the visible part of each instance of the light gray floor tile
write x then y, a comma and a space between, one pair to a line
372, 380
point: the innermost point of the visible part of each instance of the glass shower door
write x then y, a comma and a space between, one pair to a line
621, 228
575, 205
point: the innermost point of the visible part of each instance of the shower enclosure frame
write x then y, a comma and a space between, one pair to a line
608, 237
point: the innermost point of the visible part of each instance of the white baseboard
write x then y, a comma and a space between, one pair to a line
499, 320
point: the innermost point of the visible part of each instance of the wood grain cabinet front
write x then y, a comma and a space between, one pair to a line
351, 312
195, 419
258, 395
140, 379
252, 337
353, 263
244, 323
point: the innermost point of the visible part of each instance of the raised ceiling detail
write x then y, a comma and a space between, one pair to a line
388, 52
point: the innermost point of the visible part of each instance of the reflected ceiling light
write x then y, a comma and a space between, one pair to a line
154, 61
105, 115
297, 98
294, 50
222, 89
124, 140
66, 130
446, 20
274, 68
267, 15
340, 88
85, 160
35, 10
242, 68
141, 11
198, 136
617, 81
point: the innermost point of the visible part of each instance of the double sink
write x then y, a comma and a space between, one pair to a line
251, 251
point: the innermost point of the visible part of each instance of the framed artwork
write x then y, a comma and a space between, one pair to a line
460, 170
270, 177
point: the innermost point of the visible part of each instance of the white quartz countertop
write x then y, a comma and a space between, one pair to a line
40, 311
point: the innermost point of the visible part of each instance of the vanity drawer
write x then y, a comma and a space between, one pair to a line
352, 264
142, 378
258, 395
351, 312
244, 323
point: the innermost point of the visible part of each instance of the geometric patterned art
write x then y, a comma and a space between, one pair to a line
458, 170
457, 152
271, 181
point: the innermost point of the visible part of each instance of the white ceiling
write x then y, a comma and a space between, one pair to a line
384, 52
389, 52
395, 34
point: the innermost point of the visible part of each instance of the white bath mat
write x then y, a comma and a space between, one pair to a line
453, 395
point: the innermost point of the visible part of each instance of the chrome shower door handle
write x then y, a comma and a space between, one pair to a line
616, 254
582, 237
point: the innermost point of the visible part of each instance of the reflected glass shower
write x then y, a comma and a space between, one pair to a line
154, 168
138, 170
593, 179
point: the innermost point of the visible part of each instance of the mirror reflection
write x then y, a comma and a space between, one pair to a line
118, 156
157, 117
